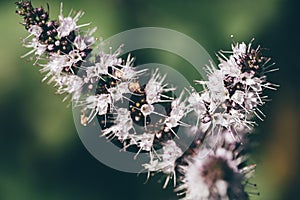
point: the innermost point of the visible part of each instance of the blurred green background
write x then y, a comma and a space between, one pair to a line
41, 156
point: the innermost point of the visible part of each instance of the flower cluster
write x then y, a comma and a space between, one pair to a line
234, 91
106, 87
225, 108
60, 43
149, 116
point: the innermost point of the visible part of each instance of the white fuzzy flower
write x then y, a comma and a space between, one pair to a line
239, 49
235, 118
155, 88
98, 104
143, 141
117, 93
147, 109
251, 100
238, 97
218, 91
202, 107
58, 62
166, 161
230, 67
102, 64
70, 84
110, 59
123, 127
38, 48
255, 83
214, 85
93, 73
73, 57
55, 65
82, 42
68, 24
223, 119
127, 71
179, 109
35, 30
197, 103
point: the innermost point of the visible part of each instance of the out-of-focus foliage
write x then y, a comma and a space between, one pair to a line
41, 156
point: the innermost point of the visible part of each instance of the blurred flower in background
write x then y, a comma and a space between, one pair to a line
41, 154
